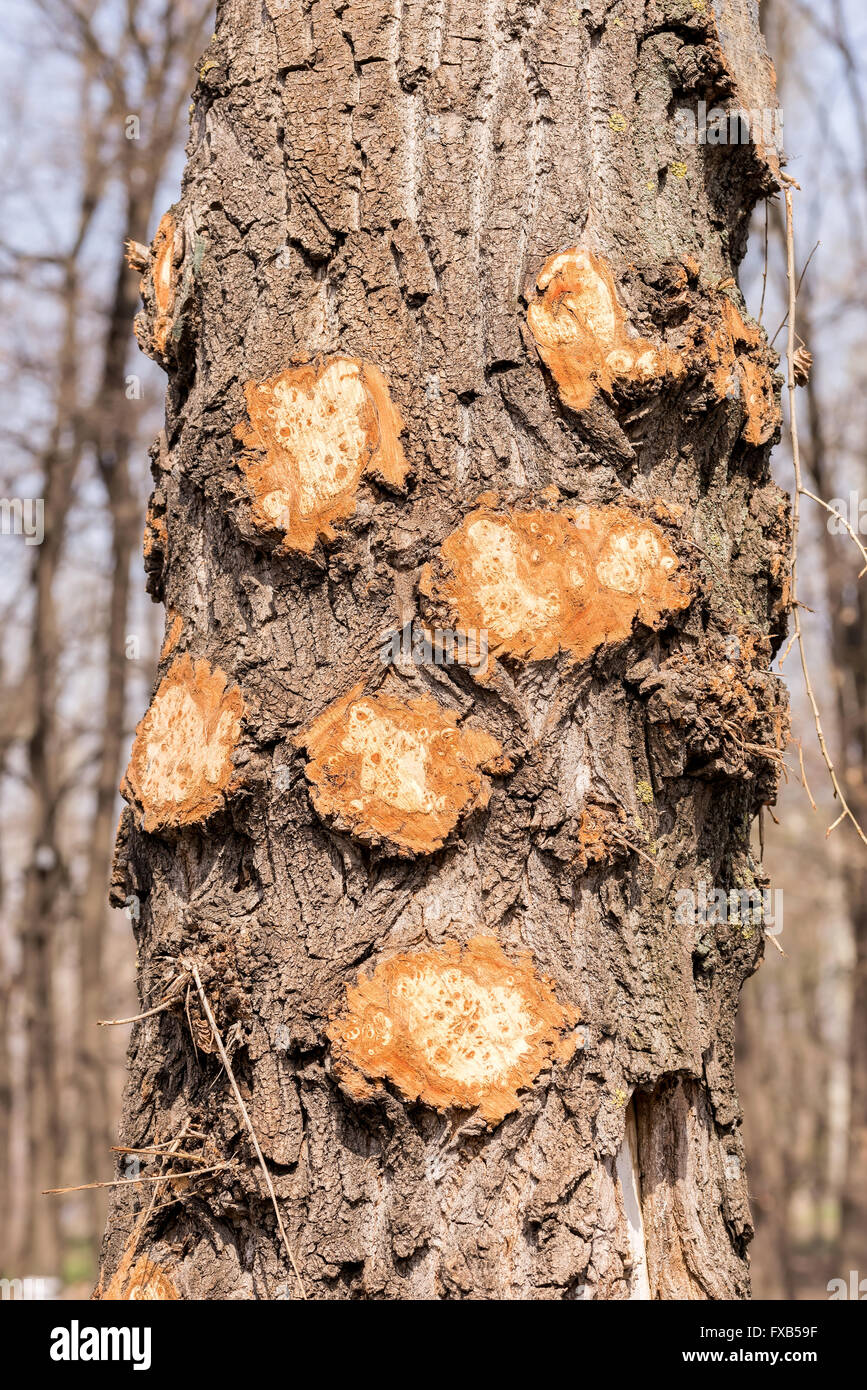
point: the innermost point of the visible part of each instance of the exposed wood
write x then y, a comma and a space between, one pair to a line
539, 582
396, 771
182, 767
455, 1029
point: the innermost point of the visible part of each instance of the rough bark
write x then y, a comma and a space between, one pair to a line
388, 187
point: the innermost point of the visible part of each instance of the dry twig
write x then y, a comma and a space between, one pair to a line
239, 1101
131, 1182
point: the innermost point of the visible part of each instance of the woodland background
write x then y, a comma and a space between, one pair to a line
95, 96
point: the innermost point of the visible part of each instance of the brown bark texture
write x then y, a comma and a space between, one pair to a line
453, 338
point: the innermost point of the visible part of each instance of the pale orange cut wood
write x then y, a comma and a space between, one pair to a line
454, 1027
145, 1281
581, 331
181, 767
398, 772
314, 432
539, 582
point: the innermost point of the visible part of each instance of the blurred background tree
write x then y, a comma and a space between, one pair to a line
95, 96
803, 1025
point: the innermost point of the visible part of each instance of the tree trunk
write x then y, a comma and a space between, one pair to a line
452, 339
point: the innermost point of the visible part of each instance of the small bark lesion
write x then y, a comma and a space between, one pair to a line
738, 358
155, 545
455, 1028
144, 1281
160, 282
313, 433
601, 836
174, 633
